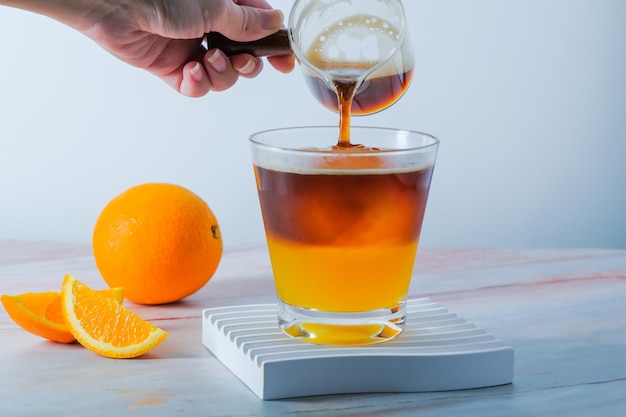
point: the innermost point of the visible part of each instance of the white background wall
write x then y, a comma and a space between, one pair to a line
528, 98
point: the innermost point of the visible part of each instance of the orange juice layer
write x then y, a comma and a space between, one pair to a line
341, 278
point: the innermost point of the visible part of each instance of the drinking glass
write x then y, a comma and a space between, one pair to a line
342, 227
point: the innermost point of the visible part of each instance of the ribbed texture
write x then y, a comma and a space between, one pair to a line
437, 351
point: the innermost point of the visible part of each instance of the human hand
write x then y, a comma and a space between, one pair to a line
165, 38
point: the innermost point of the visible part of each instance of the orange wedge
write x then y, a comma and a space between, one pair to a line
104, 326
40, 312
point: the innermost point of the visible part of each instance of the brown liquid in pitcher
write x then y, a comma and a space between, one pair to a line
348, 97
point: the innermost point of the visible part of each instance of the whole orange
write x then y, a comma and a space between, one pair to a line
161, 242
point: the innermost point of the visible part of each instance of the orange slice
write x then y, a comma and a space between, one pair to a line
103, 326
40, 313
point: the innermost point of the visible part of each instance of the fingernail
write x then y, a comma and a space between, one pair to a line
248, 67
272, 19
196, 72
217, 60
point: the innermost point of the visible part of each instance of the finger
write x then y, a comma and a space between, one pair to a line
259, 4
195, 82
284, 64
219, 70
246, 65
180, 66
245, 23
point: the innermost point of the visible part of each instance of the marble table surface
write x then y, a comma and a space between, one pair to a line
562, 310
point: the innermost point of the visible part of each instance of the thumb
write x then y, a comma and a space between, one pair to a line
246, 23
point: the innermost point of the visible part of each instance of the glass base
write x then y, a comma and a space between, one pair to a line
329, 328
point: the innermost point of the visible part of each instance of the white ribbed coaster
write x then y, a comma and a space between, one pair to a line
438, 351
